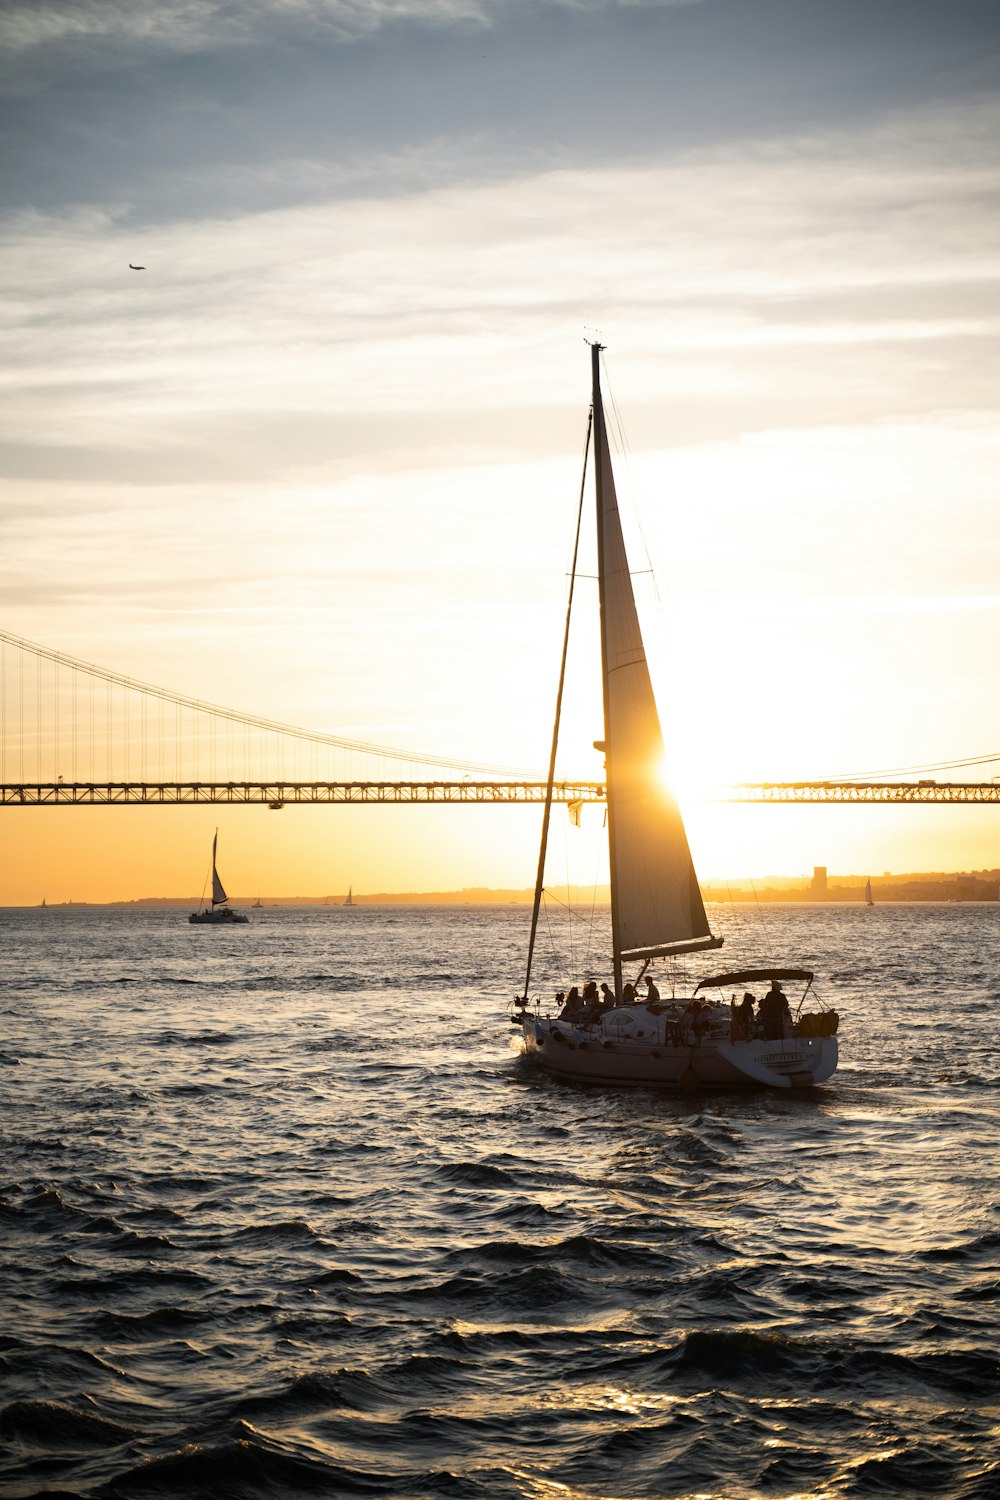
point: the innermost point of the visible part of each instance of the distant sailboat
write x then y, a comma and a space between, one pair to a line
350, 896
868, 893
657, 908
219, 913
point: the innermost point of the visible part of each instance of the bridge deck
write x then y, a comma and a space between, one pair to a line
278, 794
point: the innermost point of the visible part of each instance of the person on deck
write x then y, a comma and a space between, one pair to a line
745, 1015
592, 1008
652, 993
573, 1008
774, 1013
691, 1025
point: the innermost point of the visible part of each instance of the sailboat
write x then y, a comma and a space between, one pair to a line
868, 893
219, 913
350, 896
657, 909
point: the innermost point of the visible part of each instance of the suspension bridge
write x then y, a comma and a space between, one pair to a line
74, 734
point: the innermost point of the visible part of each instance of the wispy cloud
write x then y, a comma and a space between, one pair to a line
191, 25
805, 286
194, 107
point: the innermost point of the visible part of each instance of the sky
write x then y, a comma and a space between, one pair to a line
320, 459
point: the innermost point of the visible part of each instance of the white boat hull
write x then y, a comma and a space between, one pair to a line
629, 1048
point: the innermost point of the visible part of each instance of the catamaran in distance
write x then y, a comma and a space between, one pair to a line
218, 913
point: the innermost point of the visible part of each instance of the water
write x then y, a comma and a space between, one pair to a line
283, 1214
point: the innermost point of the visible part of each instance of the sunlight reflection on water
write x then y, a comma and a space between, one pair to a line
272, 1226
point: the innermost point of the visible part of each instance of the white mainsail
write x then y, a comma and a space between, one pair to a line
218, 893
657, 905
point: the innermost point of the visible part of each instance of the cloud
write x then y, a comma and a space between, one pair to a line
850, 277
196, 108
193, 25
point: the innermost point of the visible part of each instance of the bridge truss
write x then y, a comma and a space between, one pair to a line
73, 734
278, 794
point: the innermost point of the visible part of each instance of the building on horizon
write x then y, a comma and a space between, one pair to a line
818, 888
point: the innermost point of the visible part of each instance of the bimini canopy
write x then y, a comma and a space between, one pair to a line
752, 976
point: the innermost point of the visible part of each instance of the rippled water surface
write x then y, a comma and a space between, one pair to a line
283, 1213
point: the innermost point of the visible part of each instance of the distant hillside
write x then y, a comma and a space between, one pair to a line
983, 885
979, 885
471, 896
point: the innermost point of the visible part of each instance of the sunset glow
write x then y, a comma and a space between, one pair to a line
319, 461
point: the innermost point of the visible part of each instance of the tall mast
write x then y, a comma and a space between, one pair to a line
600, 447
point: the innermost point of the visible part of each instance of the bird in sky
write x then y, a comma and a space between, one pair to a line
135, 268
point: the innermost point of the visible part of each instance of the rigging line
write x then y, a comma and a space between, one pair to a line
942, 765
742, 917
555, 950
593, 905
548, 929
625, 449
574, 916
763, 921
732, 903
290, 731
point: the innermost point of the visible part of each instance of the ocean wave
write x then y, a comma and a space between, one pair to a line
981, 1291
528, 1292
742, 1356
155, 1323
475, 1174
284, 1231
53, 1424
126, 1279
53, 1365
233, 1470
194, 1039
319, 1390
526, 1213
579, 1250
970, 1250
918, 1471
335, 1276
46, 1208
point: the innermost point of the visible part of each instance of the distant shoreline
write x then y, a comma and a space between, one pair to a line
948, 887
